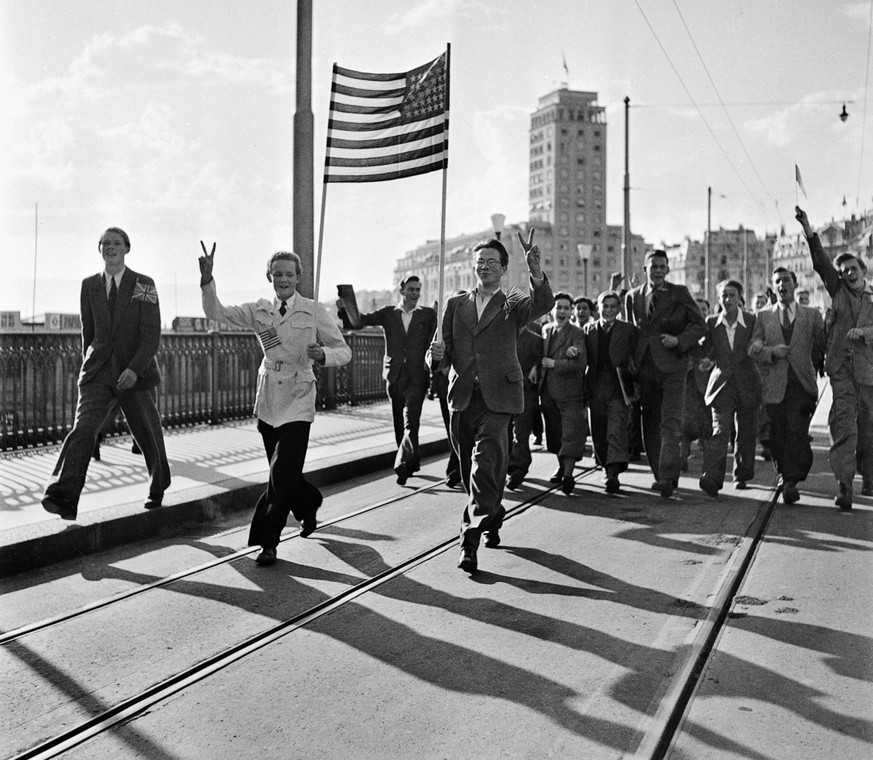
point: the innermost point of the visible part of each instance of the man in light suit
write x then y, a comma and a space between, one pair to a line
294, 332
562, 390
849, 364
121, 332
786, 341
670, 325
409, 329
733, 391
479, 336
610, 344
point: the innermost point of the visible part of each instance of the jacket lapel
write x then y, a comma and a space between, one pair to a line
467, 311
125, 294
492, 309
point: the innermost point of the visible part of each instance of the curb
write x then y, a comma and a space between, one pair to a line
126, 523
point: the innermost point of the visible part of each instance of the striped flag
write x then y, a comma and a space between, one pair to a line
388, 126
799, 180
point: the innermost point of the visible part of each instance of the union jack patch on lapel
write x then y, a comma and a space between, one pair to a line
142, 291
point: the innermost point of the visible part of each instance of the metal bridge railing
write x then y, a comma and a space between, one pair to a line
207, 378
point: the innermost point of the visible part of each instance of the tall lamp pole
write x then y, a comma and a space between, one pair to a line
303, 201
706, 245
584, 250
626, 228
497, 222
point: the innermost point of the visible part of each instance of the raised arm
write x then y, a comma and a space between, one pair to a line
821, 262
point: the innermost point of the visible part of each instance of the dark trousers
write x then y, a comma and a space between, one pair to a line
441, 389
96, 400
662, 397
480, 439
609, 424
566, 426
851, 426
789, 431
406, 402
288, 491
725, 408
520, 457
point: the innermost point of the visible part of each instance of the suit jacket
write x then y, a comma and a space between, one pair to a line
529, 350
676, 314
564, 381
286, 380
485, 350
622, 346
848, 311
807, 340
127, 339
732, 363
405, 347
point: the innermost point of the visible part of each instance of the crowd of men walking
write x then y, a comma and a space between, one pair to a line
647, 368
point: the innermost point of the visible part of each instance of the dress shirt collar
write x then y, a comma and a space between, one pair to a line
790, 308
399, 307
117, 276
722, 321
289, 302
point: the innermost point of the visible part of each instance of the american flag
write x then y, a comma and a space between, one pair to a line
388, 126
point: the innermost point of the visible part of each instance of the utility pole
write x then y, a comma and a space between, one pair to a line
302, 196
626, 249
706, 245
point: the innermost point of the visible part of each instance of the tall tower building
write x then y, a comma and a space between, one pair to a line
567, 188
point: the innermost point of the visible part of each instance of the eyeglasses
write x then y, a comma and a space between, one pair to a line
490, 263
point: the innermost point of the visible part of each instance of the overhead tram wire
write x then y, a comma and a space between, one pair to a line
722, 103
697, 108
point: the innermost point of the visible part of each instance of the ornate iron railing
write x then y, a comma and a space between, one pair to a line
207, 378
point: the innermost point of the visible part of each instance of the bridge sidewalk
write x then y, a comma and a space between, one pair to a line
216, 470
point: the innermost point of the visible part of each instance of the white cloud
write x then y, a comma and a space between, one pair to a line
431, 11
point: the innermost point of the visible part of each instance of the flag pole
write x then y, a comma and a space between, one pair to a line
318, 256
442, 258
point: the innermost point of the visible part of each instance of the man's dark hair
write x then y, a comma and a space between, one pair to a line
730, 284
585, 299
780, 270
495, 245
848, 256
565, 296
656, 253
412, 278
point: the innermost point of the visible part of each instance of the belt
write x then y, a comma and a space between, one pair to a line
279, 366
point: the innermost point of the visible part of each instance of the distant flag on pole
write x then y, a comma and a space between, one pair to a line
566, 69
388, 126
799, 180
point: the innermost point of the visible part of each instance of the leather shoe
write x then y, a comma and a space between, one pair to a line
708, 486
515, 480
568, 483
844, 500
153, 502
266, 557
468, 561
308, 524
557, 475
402, 472
666, 488
612, 484
492, 539
867, 489
741, 485
789, 492
453, 478
58, 507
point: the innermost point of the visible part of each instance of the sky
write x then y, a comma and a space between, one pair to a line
173, 120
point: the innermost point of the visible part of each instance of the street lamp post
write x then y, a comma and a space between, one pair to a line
497, 221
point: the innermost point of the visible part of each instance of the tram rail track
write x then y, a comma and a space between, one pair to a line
135, 705
658, 736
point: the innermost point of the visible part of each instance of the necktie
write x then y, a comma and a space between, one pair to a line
113, 296
283, 309
652, 304
786, 323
